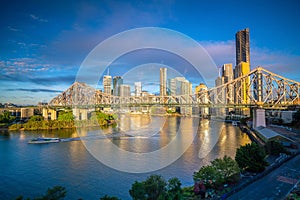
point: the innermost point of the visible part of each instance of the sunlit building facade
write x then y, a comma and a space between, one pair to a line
201, 91
163, 82
107, 84
138, 88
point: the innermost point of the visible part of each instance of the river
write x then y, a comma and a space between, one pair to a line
79, 166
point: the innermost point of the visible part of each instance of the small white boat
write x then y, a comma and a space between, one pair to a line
234, 123
43, 140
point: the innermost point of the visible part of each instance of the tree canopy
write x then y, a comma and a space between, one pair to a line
156, 187
5, 117
251, 158
221, 171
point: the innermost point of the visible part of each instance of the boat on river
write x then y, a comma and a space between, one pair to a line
234, 123
43, 140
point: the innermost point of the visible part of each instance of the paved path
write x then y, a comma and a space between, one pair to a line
273, 186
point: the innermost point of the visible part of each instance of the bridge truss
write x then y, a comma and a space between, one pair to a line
260, 88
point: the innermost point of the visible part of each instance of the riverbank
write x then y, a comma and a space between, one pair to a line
65, 120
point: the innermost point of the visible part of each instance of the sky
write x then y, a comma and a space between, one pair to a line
44, 43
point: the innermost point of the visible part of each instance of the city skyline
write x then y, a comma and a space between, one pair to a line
41, 52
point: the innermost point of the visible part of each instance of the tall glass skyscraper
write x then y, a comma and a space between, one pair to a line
242, 46
117, 81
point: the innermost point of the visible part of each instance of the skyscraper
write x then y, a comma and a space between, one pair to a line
163, 82
138, 88
220, 96
107, 84
227, 73
117, 81
242, 45
124, 90
181, 86
242, 69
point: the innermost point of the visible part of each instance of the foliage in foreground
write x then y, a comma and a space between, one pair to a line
55, 193
109, 198
221, 171
156, 187
251, 158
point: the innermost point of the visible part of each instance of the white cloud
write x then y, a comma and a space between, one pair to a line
36, 18
13, 29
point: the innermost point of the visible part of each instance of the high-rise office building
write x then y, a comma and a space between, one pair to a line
242, 45
242, 95
124, 90
227, 73
138, 88
163, 82
220, 96
181, 86
107, 84
242, 68
117, 81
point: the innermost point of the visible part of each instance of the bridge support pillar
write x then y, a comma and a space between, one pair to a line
259, 118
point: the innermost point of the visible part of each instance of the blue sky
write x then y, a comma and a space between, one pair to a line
43, 43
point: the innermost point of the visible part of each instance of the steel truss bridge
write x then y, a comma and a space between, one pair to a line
258, 88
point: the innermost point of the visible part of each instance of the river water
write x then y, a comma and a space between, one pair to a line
29, 169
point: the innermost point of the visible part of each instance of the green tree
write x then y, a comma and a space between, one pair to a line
251, 157
65, 116
137, 191
155, 187
209, 175
55, 193
109, 198
36, 118
227, 168
219, 172
274, 148
5, 117
174, 189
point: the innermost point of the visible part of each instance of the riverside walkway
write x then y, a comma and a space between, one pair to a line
275, 185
